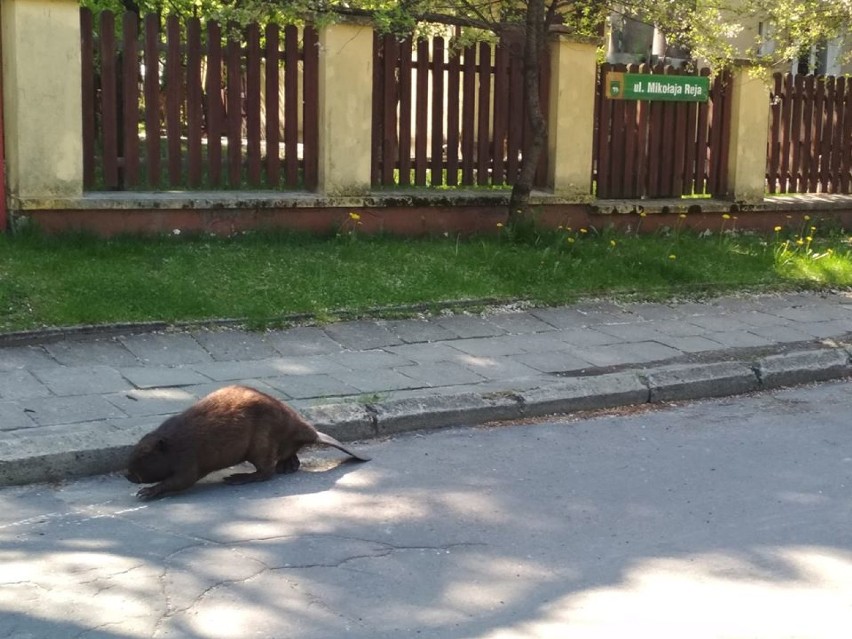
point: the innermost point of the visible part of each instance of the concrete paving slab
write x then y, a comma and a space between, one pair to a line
692, 344
46, 411
627, 353
109, 352
362, 334
466, 326
781, 334
81, 380
417, 331
166, 349
309, 386
302, 341
737, 338
378, 381
229, 345
152, 401
587, 337
522, 323
442, 374
562, 362
29, 357
13, 417
20, 384
163, 376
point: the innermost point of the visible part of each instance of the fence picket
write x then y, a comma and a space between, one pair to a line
405, 67
310, 79
87, 52
272, 104
437, 126
173, 100
468, 114
233, 63
215, 113
453, 84
252, 104
109, 100
483, 155
291, 104
194, 106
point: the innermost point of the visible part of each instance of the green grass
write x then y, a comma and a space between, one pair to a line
70, 280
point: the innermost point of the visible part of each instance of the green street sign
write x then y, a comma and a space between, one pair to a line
670, 88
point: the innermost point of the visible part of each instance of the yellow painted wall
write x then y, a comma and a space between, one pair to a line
41, 71
345, 108
571, 118
749, 134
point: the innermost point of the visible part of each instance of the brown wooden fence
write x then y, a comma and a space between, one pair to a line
661, 149
188, 106
810, 138
443, 117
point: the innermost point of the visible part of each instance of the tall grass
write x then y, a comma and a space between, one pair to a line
76, 279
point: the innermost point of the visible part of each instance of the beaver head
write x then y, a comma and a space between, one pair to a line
151, 460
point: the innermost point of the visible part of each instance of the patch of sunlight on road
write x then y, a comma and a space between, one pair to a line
773, 593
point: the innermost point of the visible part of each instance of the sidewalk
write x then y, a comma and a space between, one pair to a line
75, 405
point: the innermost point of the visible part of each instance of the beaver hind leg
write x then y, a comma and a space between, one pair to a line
288, 465
264, 462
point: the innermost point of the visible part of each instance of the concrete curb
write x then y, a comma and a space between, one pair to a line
57, 457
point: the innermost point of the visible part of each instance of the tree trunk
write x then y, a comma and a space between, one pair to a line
535, 46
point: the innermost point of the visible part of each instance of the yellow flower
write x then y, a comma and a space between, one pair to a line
643, 214
672, 256
612, 242
809, 238
499, 225
726, 216
682, 216
570, 240
813, 228
584, 230
354, 216
806, 218
777, 229
800, 241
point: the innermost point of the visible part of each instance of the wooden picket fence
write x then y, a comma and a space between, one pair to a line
810, 140
193, 107
658, 149
448, 117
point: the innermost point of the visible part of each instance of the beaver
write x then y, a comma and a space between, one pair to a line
229, 426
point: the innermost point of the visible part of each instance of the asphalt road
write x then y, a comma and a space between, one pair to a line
724, 518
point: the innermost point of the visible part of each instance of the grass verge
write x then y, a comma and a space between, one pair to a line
71, 280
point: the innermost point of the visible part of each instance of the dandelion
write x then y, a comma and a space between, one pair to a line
682, 216
799, 242
777, 229
354, 216
643, 214
176, 232
570, 240
584, 230
672, 256
806, 218
726, 216
499, 225
612, 243
813, 229
809, 238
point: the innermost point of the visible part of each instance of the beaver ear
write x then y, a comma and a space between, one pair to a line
161, 445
